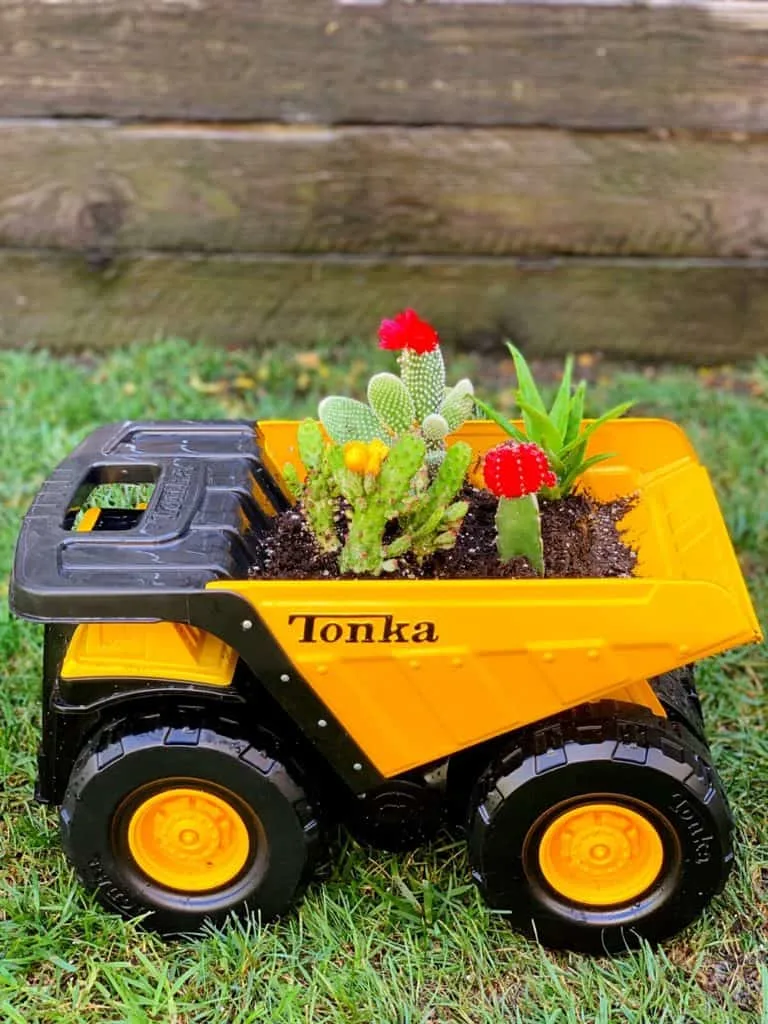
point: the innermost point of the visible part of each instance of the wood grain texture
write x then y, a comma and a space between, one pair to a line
697, 310
621, 65
101, 188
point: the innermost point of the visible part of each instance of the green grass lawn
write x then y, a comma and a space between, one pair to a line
379, 939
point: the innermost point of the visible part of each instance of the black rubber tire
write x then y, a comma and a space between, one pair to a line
606, 752
678, 696
124, 764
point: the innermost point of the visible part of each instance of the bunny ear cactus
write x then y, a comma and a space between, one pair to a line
432, 518
515, 471
374, 497
421, 361
380, 485
557, 430
318, 494
458, 404
391, 403
346, 419
417, 400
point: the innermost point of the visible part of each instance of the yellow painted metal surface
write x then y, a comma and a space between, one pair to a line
418, 669
148, 650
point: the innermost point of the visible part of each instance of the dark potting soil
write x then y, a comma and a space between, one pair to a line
581, 539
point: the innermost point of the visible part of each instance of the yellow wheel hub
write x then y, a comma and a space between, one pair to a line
601, 854
188, 839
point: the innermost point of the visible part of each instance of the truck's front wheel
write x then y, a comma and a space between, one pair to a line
186, 825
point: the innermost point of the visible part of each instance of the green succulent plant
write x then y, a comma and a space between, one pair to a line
379, 486
557, 430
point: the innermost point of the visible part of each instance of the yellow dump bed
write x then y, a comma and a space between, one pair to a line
416, 670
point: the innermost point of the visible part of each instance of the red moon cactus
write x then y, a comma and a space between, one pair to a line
514, 469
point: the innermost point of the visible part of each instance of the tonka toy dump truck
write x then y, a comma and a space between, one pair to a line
202, 729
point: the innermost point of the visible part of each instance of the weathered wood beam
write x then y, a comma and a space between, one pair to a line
595, 64
102, 188
675, 309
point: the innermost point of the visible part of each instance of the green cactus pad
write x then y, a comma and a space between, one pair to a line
424, 376
458, 403
445, 486
292, 481
346, 419
310, 442
319, 493
391, 402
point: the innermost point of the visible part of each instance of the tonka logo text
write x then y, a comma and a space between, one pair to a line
362, 629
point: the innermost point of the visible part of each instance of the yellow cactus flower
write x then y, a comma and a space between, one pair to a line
356, 456
377, 452
365, 458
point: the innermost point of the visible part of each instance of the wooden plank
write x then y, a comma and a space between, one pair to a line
596, 64
705, 311
104, 188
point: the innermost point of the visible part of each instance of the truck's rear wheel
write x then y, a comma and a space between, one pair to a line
677, 693
602, 828
186, 825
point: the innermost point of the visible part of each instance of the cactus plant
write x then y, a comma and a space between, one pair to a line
432, 519
514, 472
379, 485
318, 494
417, 400
374, 498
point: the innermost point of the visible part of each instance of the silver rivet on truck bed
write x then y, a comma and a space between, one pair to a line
322, 723
357, 766
246, 624
285, 678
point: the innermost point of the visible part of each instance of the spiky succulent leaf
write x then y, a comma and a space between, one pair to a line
424, 376
590, 428
572, 454
542, 432
346, 419
575, 413
561, 407
391, 402
525, 382
458, 403
500, 421
576, 471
